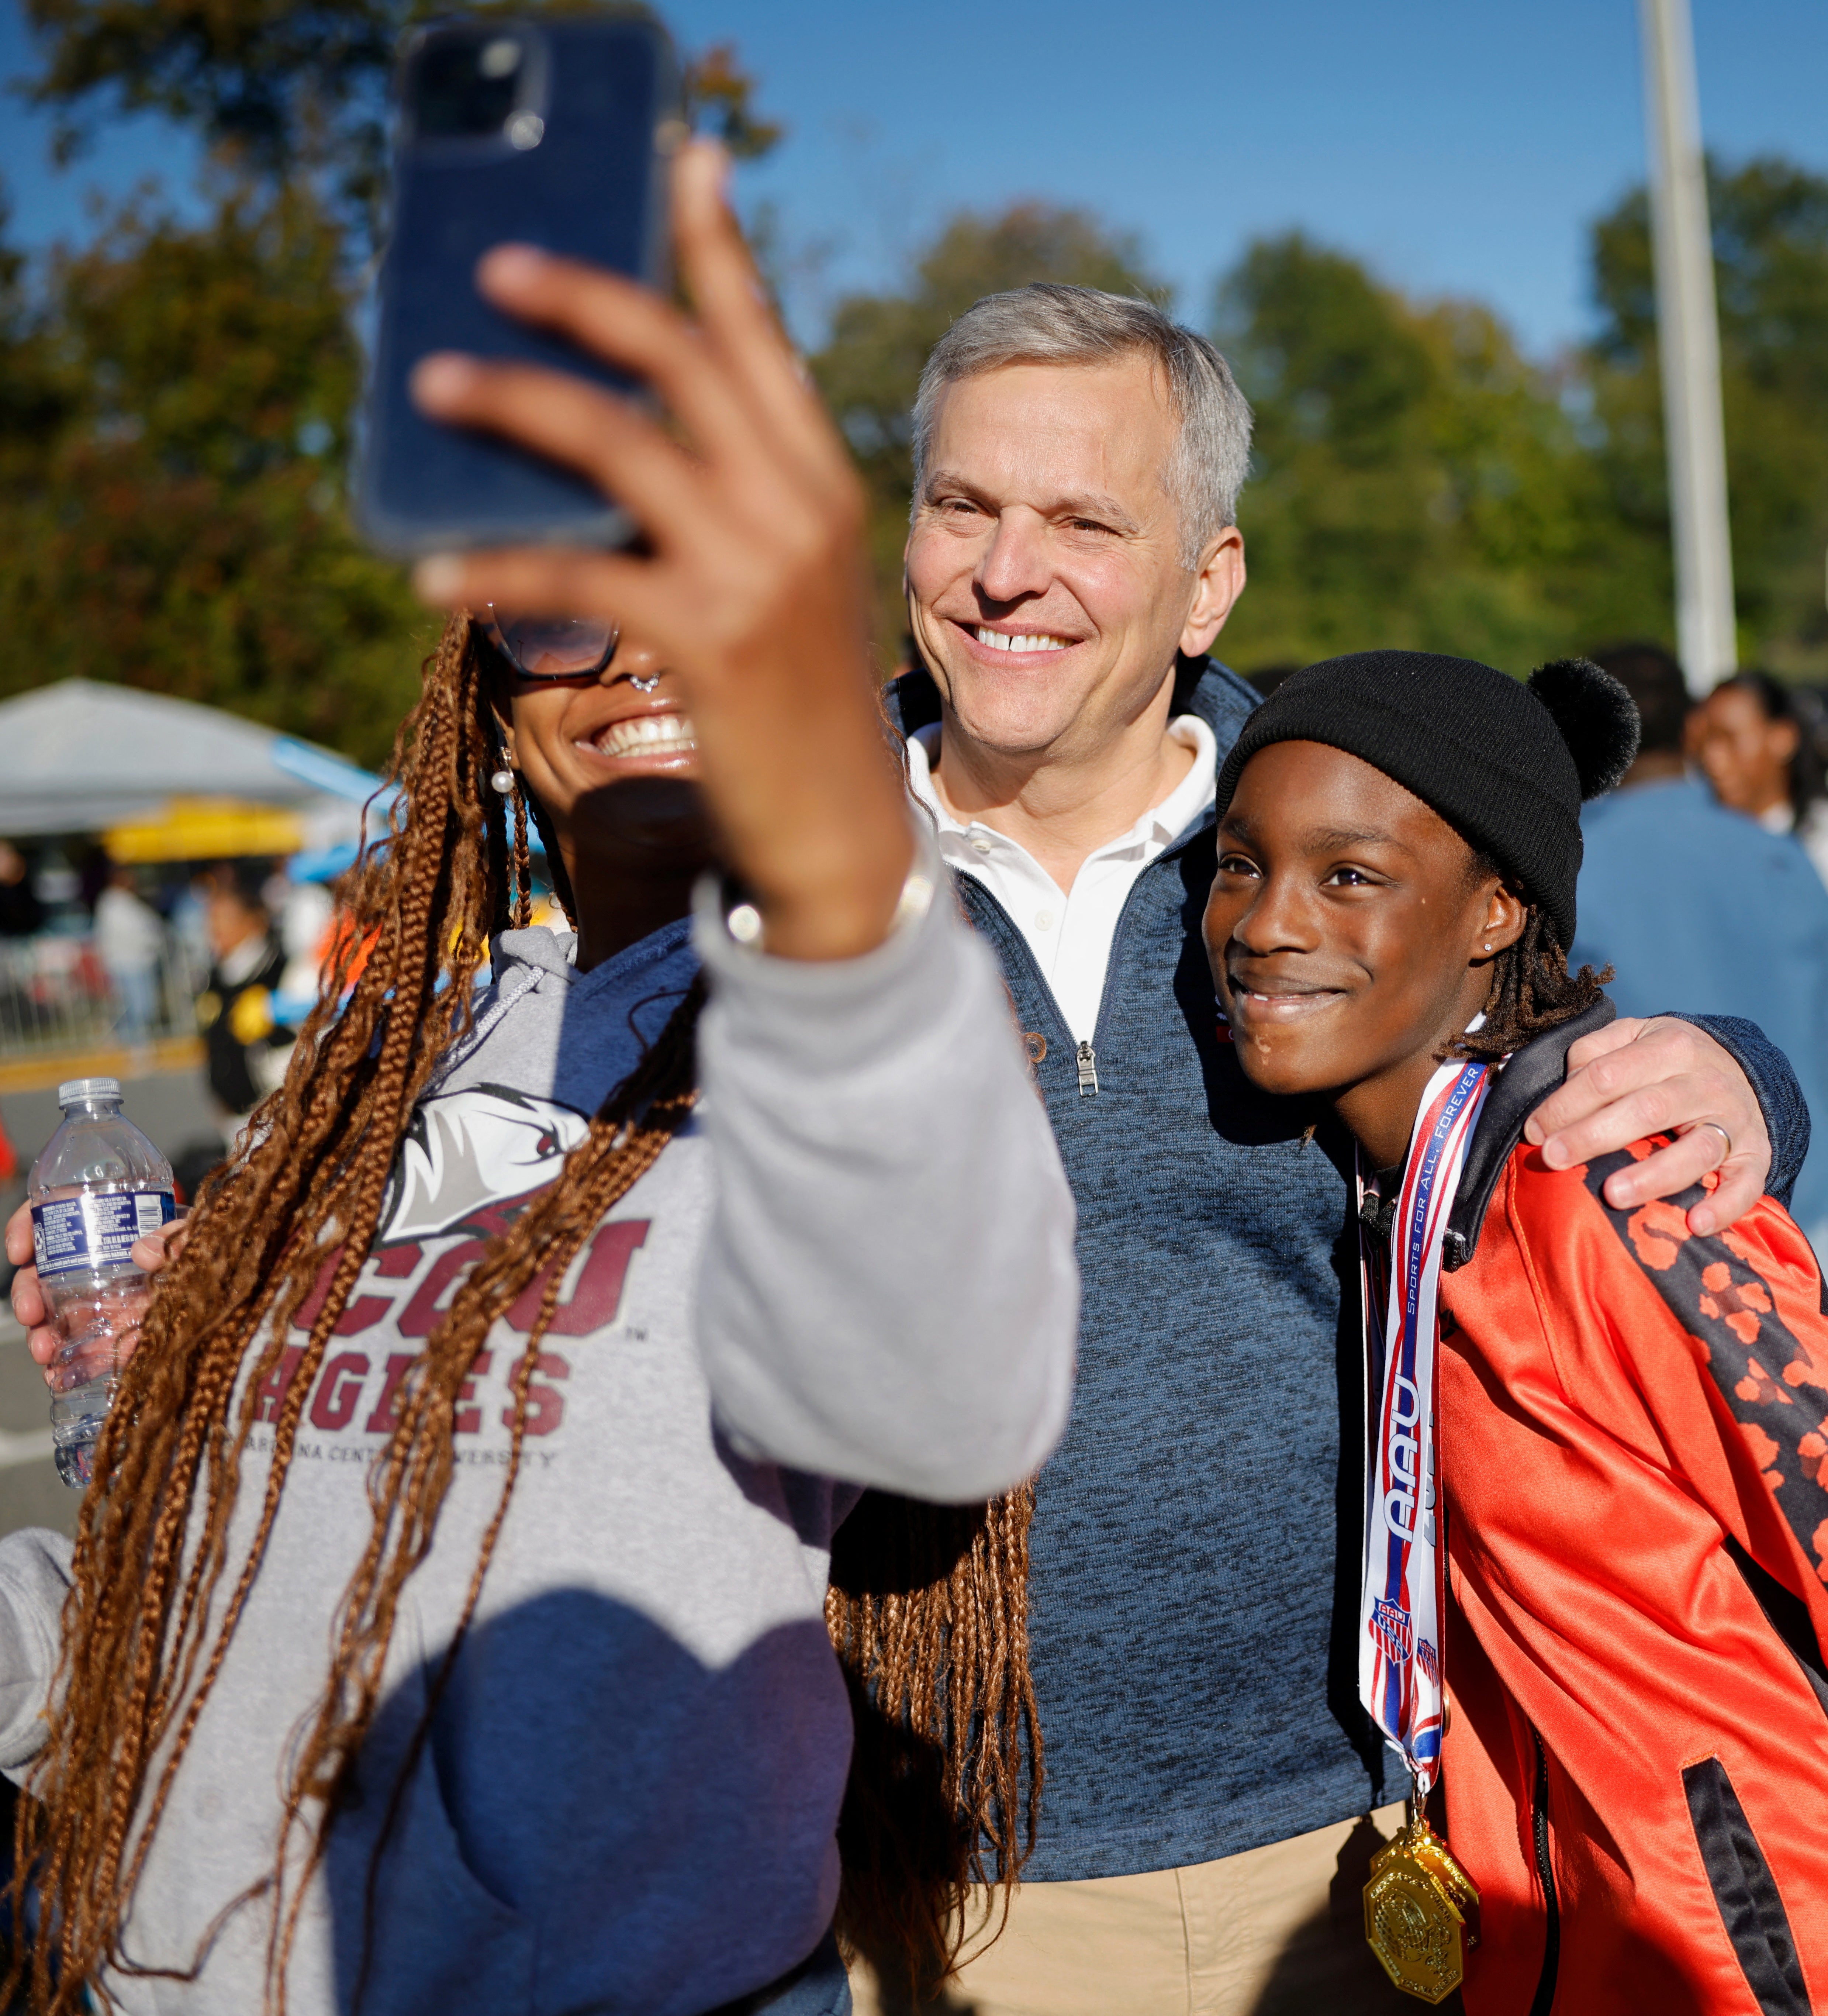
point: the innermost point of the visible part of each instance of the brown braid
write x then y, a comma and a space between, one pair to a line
523, 862
298, 1207
928, 1609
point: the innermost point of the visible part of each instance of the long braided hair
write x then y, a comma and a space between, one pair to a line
293, 1215
928, 1610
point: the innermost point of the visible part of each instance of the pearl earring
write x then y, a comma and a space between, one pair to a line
503, 782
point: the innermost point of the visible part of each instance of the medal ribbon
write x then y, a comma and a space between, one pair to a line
1401, 1591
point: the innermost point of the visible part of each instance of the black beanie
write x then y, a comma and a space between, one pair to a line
1505, 763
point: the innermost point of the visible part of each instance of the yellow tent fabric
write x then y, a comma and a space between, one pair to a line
206, 829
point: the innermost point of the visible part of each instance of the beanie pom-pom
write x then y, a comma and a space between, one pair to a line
1597, 718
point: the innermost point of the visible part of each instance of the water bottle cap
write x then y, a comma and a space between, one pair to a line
73, 1090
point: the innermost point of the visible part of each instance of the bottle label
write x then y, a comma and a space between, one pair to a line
94, 1234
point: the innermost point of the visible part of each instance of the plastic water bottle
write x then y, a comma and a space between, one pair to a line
99, 1186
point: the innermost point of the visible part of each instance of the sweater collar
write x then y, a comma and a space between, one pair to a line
1203, 686
1211, 692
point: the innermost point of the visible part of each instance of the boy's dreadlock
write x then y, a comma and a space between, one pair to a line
1531, 990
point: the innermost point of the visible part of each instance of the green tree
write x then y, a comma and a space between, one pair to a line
34, 398
1770, 221
282, 89
175, 411
1415, 480
175, 519
869, 367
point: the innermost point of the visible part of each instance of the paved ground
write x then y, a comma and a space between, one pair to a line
31, 1494
173, 1108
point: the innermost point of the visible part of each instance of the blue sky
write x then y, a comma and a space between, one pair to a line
1460, 148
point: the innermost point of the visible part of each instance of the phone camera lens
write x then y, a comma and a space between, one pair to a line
468, 86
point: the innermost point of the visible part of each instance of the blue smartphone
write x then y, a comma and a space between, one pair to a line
555, 133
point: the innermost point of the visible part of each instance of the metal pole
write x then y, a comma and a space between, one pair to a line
1688, 337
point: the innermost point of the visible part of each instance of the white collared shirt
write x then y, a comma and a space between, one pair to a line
1068, 934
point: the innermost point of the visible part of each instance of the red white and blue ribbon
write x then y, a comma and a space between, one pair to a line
1401, 1592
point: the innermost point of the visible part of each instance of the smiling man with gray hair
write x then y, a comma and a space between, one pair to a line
1190, 1593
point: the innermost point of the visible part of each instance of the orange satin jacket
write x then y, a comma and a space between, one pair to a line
1632, 1448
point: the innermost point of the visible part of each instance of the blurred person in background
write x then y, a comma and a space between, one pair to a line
21, 913
130, 934
245, 1049
190, 925
21, 916
306, 911
58, 889
1756, 741
1689, 902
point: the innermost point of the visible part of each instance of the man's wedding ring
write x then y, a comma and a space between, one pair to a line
1724, 1136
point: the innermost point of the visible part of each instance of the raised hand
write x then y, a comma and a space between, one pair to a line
752, 580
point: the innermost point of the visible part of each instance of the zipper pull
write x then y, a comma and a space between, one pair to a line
1088, 1062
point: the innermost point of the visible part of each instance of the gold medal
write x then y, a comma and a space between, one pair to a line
1421, 1912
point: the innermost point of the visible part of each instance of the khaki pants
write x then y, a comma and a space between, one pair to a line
1277, 1932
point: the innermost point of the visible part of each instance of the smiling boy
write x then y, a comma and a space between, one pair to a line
1598, 1525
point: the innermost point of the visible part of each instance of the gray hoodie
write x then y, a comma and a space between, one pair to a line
856, 1264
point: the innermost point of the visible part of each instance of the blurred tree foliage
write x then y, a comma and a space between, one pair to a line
869, 367
176, 399
283, 88
173, 517
277, 84
1770, 221
1415, 481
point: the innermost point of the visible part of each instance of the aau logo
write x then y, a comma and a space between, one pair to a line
1391, 1628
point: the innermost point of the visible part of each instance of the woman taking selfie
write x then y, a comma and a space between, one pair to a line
450, 1635
1594, 1521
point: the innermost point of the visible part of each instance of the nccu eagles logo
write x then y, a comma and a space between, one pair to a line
1391, 1627
468, 1149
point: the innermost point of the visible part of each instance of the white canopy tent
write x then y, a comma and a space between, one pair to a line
80, 756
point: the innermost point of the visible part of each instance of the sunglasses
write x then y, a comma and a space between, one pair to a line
553, 647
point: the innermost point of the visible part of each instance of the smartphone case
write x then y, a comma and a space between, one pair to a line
592, 187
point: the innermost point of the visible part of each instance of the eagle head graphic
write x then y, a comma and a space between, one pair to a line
465, 1151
